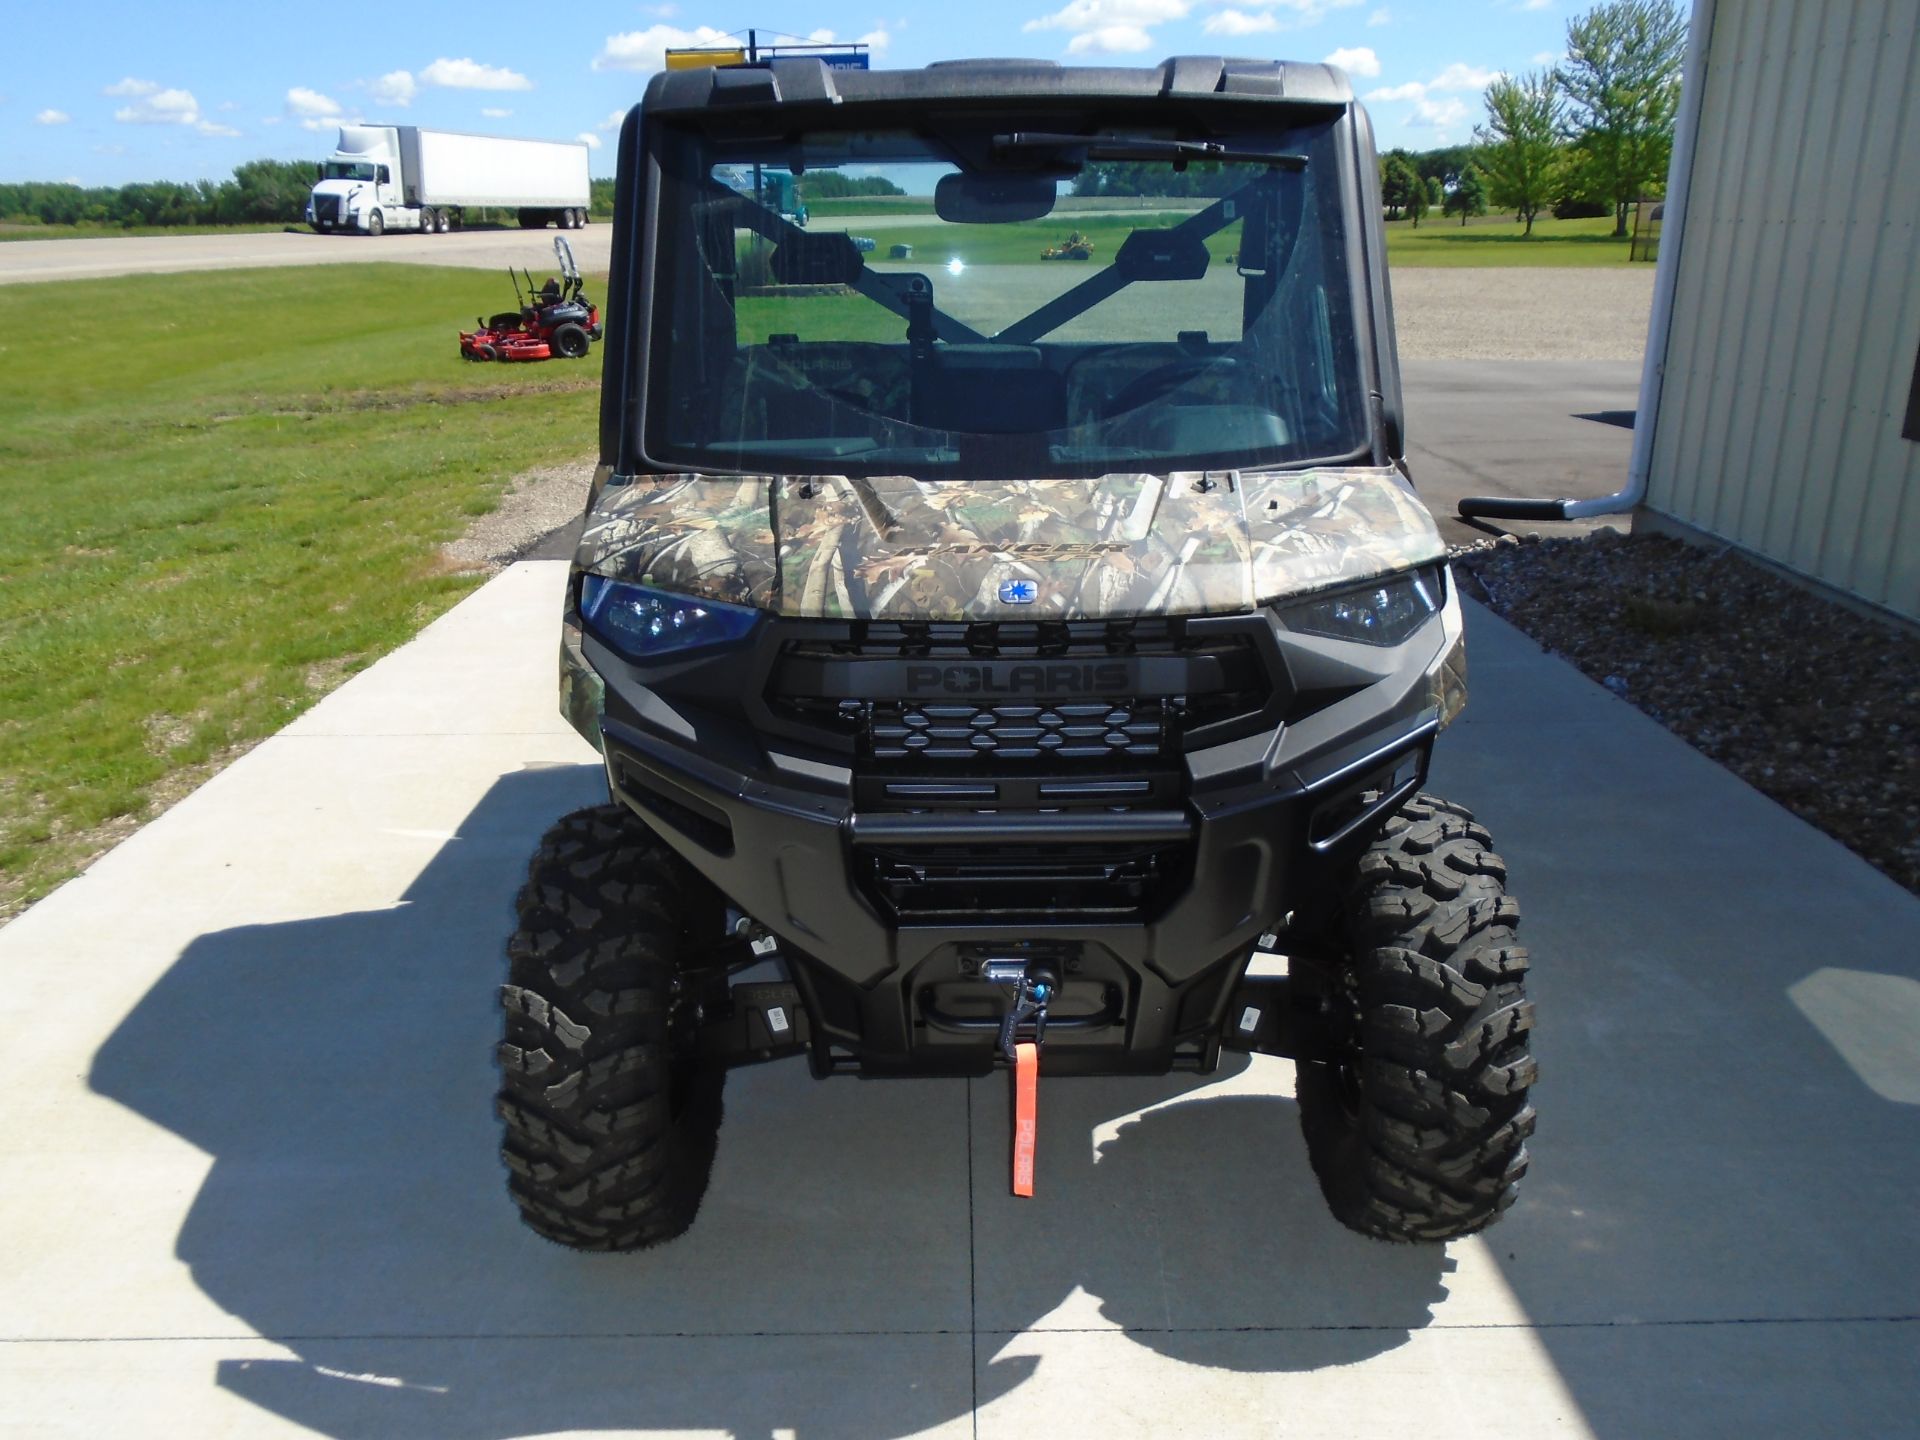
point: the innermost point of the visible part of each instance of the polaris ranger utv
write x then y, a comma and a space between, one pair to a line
1006, 652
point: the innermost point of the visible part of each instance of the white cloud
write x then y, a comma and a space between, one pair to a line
1437, 112
1534, 5
1238, 22
1298, 13
131, 86
646, 50
876, 39
313, 110
1463, 77
228, 105
1382, 16
1450, 111
472, 75
1359, 60
494, 112
213, 127
1547, 57
1110, 40
302, 101
396, 87
588, 139
614, 121
1111, 27
161, 107
52, 117
270, 120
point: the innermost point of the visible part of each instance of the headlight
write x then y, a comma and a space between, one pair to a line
644, 624
1381, 612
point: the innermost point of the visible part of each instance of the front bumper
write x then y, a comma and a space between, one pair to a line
839, 870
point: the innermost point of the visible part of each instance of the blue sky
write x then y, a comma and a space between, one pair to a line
114, 92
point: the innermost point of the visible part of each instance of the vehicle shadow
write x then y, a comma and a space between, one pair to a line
338, 1072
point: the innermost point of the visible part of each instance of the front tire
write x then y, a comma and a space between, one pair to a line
1421, 1133
610, 1134
376, 223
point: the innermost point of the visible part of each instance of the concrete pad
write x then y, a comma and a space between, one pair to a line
489, 1387
252, 1189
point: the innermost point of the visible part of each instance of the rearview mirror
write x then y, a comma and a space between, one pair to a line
992, 199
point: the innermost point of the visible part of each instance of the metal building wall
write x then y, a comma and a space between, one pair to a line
1796, 310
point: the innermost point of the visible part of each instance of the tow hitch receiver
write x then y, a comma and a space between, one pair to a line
1033, 990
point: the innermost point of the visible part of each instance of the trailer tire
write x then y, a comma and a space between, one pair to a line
1421, 1135
441, 222
570, 342
376, 223
609, 1137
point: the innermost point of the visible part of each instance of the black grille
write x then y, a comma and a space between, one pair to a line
329, 209
971, 883
851, 682
908, 729
1000, 639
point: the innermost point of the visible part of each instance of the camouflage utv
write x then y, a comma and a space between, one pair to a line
1010, 665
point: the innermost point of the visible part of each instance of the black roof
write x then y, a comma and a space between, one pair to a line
806, 80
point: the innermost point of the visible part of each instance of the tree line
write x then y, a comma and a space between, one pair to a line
261, 192
1588, 136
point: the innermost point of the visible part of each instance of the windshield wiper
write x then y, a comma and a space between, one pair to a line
1142, 147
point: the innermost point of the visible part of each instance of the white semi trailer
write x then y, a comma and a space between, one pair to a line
401, 177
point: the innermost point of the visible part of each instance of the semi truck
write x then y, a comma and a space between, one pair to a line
403, 177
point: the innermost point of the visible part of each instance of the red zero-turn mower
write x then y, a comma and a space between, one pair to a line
554, 320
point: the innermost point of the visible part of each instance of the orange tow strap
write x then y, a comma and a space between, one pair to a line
1026, 1074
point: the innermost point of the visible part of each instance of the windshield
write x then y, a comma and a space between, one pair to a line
347, 170
1162, 314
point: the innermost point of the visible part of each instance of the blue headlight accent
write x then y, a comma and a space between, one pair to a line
1381, 612
646, 624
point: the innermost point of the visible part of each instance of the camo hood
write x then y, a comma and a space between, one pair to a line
830, 547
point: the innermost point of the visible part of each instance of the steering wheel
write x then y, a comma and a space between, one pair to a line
1155, 382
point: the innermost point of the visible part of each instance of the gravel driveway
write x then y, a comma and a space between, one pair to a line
1522, 314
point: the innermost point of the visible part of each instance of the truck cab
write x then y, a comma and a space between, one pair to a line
358, 186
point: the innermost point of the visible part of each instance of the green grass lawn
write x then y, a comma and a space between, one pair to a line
1483, 241
1021, 244
222, 494
1501, 240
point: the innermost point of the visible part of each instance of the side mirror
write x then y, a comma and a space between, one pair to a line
993, 199
386, 176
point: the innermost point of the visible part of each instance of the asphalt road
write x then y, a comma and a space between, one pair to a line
1518, 428
30, 260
